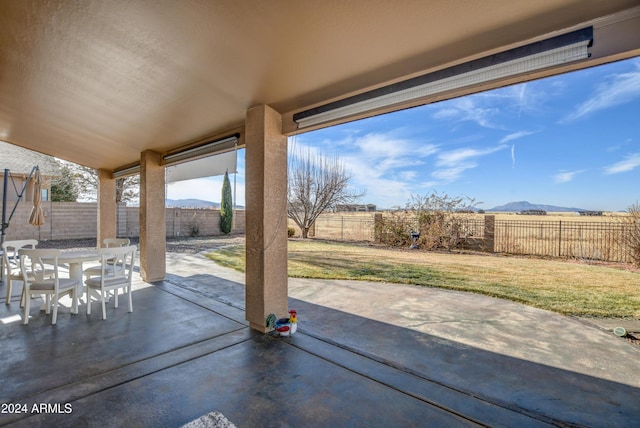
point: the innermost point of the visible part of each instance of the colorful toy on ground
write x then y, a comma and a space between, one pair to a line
287, 326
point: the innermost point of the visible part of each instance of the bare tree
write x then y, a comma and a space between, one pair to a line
86, 181
127, 188
316, 184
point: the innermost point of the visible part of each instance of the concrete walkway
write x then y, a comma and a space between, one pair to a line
491, 324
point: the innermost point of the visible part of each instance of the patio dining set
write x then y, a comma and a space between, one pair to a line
54, 273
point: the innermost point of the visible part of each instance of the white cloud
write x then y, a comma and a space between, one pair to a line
447, 113
619, 146
565, 176
408, 175
516, 135
384, 187
454, 157
468, 109
558, 85
489, 109
453, 163
452, 174
388, 146
619, 89
630, 163
396, 163
513, 156
299, 149
519, 97
522, 99
385, 164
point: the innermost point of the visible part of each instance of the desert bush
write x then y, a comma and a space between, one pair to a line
632, 235
440, 219
394, 229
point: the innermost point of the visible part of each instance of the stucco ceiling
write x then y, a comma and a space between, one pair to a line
97, 82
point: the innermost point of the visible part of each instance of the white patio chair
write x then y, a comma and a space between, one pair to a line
11, 265
32, 265
116, 272
107, 243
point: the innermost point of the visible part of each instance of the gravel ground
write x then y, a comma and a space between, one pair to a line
187, 245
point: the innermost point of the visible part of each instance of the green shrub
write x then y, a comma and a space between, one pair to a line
226, 206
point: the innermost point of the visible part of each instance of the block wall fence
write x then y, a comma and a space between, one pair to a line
78, 220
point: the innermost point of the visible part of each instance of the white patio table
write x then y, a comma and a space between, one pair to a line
74, 259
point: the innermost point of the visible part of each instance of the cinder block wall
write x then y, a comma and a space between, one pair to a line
193, 222
75, 220
19, 227
128, 221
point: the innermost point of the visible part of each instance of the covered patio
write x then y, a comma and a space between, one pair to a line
187, 350
132, 87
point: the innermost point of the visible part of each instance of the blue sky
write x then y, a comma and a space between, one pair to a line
571, 140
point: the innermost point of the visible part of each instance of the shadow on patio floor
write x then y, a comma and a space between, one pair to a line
186, 350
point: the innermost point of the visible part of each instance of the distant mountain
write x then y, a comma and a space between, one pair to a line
524, 205
190, 203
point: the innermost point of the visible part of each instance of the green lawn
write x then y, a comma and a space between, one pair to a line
566, 287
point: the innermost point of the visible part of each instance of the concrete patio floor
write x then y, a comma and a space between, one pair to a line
364, 355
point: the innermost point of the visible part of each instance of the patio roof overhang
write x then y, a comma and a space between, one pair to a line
97, 82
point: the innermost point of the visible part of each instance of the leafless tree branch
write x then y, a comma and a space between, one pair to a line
316, 184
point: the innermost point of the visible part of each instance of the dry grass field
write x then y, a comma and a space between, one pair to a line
569, 288
558, 216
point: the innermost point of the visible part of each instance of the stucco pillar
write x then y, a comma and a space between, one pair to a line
490, 233
107, 219
153, 240
266, 217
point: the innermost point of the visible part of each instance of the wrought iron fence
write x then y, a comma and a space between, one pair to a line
567, 239
345, 228
583, 240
